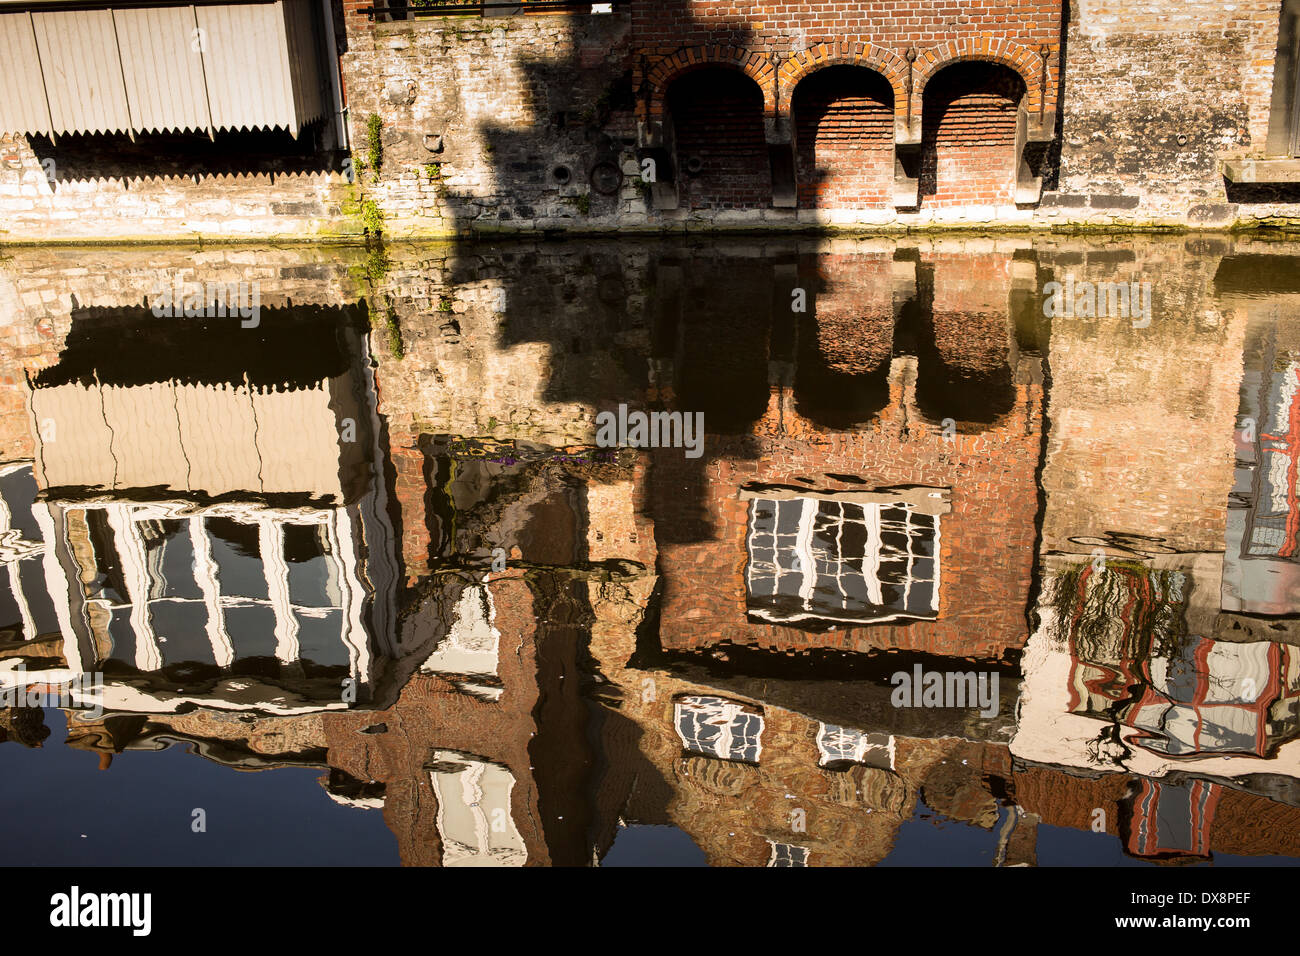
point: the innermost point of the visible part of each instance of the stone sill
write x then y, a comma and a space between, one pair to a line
1262, 170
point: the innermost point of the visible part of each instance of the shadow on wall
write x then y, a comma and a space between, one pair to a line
179, 157
844, 131
718, 149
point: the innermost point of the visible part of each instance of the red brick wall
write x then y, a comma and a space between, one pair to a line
966, 353
986, 542
844, 348
893, 22
844, 342
843, 162
410, 495
674, 34
854, 311
844, 129
969, 108
354, 19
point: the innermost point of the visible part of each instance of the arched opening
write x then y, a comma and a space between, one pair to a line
968, 139
717, 121
844, 131
843, 377
964, 368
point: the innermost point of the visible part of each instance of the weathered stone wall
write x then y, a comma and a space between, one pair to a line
501, 122
1137, 143
93, 187
504, 103
1142, 416
1156, 95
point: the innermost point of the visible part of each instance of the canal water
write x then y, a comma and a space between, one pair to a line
959, 550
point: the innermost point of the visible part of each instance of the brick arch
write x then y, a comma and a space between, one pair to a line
969, 133
757, 66
843, 126
1020, 59
866, 55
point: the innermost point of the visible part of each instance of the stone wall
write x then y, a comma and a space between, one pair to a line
171, 189
478, 115
1157, 94
1142, 418
1116, 138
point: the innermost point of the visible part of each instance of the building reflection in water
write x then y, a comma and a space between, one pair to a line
207, 537
558, 649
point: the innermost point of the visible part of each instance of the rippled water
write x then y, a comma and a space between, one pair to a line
430, 548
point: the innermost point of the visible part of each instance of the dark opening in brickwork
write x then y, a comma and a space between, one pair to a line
717, 117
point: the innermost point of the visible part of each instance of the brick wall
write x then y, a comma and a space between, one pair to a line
432, 714
734, 812
508, 101
986, 542
718, 117
878, 30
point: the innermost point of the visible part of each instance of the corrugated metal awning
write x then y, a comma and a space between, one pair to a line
135, 69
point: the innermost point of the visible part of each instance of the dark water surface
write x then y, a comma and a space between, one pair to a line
954, 572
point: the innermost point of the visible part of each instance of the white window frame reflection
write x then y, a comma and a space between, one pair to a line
22, 558
1274, 499
836, 744
787, 854
717, 727
793, 562
142, 573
